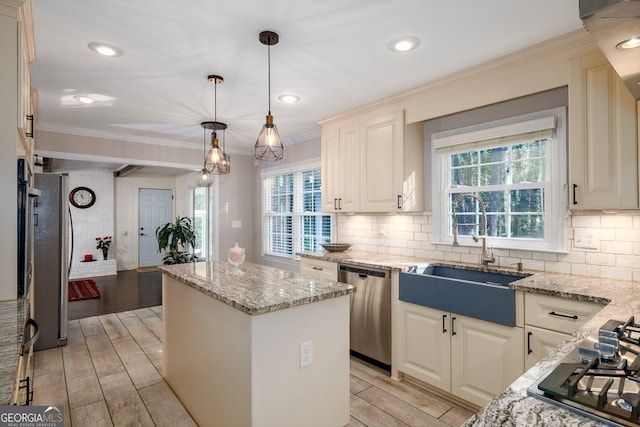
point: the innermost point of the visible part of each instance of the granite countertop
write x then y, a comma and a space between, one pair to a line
13, 315
513, 407
368, 259
257, 289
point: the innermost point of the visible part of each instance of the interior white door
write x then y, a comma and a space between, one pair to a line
156, 209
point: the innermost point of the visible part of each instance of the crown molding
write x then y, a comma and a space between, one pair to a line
304, 137
117, 136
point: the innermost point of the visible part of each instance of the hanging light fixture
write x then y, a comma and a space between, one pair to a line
269, 144
216, 162
204, 178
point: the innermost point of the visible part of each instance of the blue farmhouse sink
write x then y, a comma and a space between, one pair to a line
482, 295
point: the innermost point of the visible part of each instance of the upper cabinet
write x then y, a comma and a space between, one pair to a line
372, 163
340, 163
382, 169
603, 146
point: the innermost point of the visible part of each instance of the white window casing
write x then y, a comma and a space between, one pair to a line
549, 125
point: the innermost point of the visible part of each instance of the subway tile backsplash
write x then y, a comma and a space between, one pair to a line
614, 244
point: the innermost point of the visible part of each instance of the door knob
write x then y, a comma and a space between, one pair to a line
142, 234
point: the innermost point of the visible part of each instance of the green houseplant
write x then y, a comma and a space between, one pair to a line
177, 237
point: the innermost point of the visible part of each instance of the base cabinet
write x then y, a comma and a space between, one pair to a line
539, 342
470, 358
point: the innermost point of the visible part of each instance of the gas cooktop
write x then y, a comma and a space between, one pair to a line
601, 378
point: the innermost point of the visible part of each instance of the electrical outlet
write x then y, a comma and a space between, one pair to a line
236, 223
306, 354
584, 238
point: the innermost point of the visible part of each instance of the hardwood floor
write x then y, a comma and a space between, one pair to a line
110, 373
128, 290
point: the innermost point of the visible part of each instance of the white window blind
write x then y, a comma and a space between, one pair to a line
292, 213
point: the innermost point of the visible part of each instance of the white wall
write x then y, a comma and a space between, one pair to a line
96, 221
127, 227
235, 202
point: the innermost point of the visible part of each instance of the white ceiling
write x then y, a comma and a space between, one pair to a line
332, 53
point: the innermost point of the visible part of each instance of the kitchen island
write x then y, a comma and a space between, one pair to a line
232, 345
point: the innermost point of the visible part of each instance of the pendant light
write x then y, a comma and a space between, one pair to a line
204, 178
215, 162
269, 144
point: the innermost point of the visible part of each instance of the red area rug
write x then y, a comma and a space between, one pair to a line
83, 289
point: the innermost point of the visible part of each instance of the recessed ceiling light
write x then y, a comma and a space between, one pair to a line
629, 44
289, 98
84, 99
403, 44
105, 49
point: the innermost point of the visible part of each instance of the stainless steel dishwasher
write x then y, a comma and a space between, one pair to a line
370, 311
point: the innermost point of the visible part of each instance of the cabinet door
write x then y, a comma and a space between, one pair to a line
485, 358
382, 171
349, 154
603, 166
330, 168
424, 350
538, 343
340, 163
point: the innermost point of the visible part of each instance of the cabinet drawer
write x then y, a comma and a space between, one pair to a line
319, 268
557, 314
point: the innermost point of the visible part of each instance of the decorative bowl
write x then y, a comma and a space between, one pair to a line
336, 247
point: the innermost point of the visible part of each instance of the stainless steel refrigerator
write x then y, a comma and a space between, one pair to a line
51, 259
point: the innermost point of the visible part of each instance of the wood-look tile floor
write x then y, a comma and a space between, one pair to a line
109, 374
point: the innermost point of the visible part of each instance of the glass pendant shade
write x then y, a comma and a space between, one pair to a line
204, 178
269, 144
215, 157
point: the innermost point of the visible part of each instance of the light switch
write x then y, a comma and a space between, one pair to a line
236, 223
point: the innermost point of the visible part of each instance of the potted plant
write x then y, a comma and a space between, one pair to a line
177, 237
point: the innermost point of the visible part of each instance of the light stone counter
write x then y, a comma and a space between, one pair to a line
256, 289
513, 407
12, 318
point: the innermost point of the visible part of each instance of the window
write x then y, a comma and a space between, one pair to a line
198, 213
517, 167
292, 212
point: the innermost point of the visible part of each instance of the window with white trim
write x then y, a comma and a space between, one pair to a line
292, 212
517, 166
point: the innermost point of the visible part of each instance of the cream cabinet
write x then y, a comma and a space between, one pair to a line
539, 342
550, 320
382, 169
372, 163
340, 165
470, 358
16, 51
603, 146
319, 268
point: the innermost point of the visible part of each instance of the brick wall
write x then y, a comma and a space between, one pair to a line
96, 221
614, 244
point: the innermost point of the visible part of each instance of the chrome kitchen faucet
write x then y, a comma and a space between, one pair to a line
486, 258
